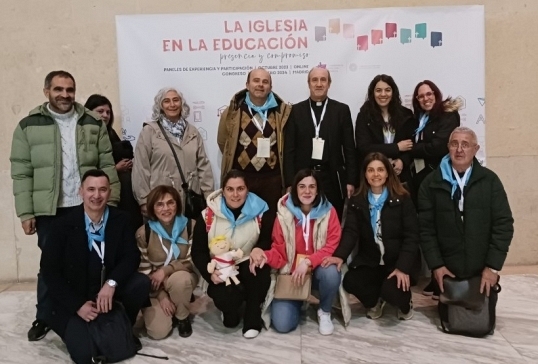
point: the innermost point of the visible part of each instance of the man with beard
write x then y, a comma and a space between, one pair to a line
52, 148
319, 135
250, 137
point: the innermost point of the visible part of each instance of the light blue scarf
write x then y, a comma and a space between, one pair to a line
179, 225
448, 175
253, 207
424, 118
98, 235
317, 212
376, 206
261, 110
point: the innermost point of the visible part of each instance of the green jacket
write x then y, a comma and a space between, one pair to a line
481, 239
36, 159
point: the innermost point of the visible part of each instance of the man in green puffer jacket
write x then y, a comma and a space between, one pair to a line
52, 148
466, 224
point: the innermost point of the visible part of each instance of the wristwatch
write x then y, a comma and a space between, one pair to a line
112, 283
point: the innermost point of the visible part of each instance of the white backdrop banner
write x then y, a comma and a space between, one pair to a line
208, 56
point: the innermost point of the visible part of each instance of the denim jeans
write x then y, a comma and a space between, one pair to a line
285, 314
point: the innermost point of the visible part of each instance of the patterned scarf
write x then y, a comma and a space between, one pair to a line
177, 129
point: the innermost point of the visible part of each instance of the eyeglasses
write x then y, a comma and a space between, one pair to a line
463, 145
161, 205
423, 96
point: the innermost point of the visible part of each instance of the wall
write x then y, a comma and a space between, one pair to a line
39, 36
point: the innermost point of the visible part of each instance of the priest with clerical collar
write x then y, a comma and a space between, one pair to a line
319, 135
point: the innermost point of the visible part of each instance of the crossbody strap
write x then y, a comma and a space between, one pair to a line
184, 185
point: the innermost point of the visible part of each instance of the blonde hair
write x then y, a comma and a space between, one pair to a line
216, 239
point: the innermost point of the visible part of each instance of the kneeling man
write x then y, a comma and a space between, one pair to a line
90, 260
466, 224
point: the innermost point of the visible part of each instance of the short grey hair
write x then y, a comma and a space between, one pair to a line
464, 130
158, 100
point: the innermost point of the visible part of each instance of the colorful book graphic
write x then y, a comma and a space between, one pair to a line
377, 36
334, 26
349, 31
391, 30
405, 35
436, 39
362, 43
320, 34
420, 31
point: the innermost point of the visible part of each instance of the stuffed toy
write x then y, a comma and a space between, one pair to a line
223, 259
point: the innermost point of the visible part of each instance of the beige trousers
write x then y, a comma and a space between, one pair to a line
179, 286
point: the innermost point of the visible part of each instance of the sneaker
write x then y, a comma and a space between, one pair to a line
406, 316
326, 326
38, 330
184, 327
376, 311
251, 334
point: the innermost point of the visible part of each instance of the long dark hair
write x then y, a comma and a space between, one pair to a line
96, 100
438, 106
392, 183
395, 104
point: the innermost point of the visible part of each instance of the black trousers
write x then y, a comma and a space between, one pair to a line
333, 189
268, 187
369, 284
44, 225
133, 295
252, 291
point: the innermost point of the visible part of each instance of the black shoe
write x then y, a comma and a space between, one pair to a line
138, 343
38, 330
429, 289
184, 327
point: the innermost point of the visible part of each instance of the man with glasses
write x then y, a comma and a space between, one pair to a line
466, 224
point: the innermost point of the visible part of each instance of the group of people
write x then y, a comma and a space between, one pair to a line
288, 172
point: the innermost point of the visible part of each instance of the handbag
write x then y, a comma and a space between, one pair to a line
286, 290
112, 336
464, 311
463, 292
194, 202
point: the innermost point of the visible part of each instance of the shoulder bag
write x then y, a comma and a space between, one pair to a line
195, 202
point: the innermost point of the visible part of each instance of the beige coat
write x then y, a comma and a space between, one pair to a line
154, 163
287, 222
228, 133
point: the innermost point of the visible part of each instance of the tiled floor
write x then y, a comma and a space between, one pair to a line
386, 340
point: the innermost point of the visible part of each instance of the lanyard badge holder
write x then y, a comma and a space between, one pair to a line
263, 144
101, 254
317, 143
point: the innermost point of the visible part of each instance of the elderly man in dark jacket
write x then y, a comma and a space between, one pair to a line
466, 224
91, 260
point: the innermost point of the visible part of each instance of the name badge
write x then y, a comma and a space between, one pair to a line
317, 148
264, 148
419, 165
